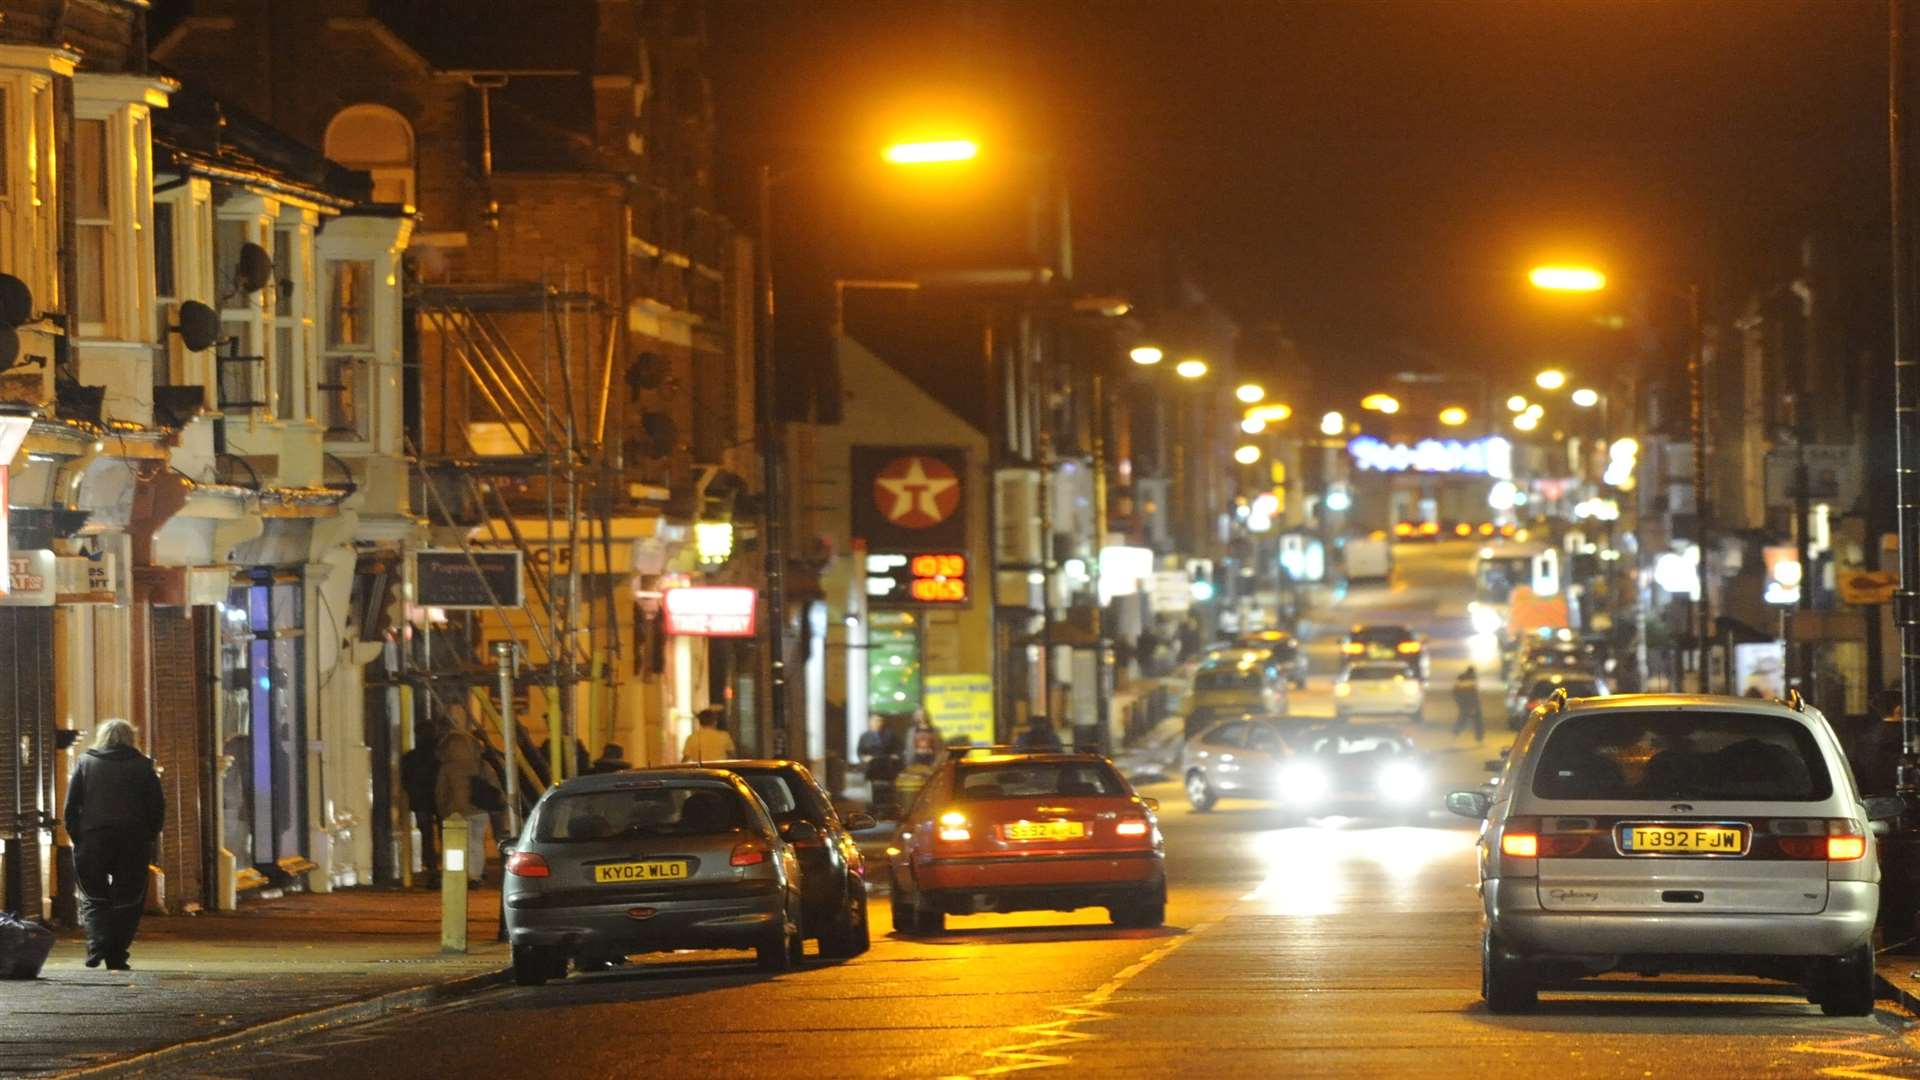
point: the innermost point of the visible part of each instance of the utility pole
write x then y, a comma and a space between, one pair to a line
1697, 419
772, 483
1906, 390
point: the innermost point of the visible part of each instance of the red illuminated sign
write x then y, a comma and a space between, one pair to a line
710, 611
938, 579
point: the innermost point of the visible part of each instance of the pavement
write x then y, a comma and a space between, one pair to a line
1341, 947
198, 982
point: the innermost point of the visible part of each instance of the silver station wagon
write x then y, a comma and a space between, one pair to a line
1650, 833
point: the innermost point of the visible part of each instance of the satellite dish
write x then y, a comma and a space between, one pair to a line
255, 270
199, 326
16, 301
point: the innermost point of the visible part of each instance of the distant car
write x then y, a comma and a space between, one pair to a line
1532, 693
631, 862
1155, 755
1239, 758
832, 872
1379, 688
1286, 650
1358, 769
1252, 682
1384, 641
1005, 831
1677, 832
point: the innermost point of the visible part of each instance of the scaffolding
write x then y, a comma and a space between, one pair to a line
514, 441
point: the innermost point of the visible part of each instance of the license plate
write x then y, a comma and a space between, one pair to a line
651, 870
1659, 839
1044, 830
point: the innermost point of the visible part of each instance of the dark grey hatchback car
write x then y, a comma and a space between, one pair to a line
625, 863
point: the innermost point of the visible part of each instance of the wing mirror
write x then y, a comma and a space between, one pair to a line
1151, 804
858, 821
1885, 807
798, 831
1494, 766
1471, 804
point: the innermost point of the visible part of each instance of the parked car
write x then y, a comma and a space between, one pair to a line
1001, 831
1379, 688
630, 862
1155, 755
1534, 690
832, 874
1656, 832
1285, 649
1250, 682
1385, 641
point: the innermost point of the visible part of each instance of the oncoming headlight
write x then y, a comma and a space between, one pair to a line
1401, 781
1485, 619
1303, 783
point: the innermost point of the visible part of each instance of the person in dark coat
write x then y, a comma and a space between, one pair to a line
115, 810
1466, 704
419, 777
1876, 754
883, 758
1039, 735
613, 758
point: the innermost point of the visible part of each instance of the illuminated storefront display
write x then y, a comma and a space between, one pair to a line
1491, 456
710, 611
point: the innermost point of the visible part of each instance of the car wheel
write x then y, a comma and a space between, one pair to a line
848, 936
1506, 985
1199, 792
797, 943
1142, 912
1844, 985
533, 965
904, 915
929, 920
775, 951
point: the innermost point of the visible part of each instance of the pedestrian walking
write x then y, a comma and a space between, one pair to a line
613, 758
709, 741
1039, 735
1466, 704
1877, 749
882, 757
115, 809
466, 790
420, 779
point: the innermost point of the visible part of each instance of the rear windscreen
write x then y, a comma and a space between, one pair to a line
1686, 757
1226, 679
1363, 674
1022, 780
640, 812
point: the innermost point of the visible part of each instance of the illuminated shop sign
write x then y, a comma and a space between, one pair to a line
710, 611
1491, 456
934, 578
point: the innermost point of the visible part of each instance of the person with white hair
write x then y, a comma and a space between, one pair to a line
115, 810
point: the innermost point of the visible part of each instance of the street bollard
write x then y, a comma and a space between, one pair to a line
453, 884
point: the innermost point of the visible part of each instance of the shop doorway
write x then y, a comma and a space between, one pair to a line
263, 718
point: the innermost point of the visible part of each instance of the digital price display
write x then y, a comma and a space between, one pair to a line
933, 579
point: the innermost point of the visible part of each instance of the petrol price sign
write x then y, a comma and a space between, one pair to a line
937, 579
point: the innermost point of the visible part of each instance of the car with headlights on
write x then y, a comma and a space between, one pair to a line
996, 830
1655, 833
1360, 770
1385, 641
1379, 688
1285, 650
832, 871
630, 862
1234, 759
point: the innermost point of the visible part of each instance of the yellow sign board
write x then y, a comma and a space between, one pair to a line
961, 706
1867, 586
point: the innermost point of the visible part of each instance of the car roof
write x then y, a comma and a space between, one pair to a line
737, 764
987, 755
1397, 666
1682, 702
1381, 628
626, 778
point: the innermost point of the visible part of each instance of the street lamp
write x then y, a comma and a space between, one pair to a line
1517, 403
934, 152
1586, 397
1146, 355
1247, 454
1526, 421
1333, 423
1253, 425
1550, 379
1453, 416
1250, 393
1567, 278
1274, 413
1381, 403
1191, 368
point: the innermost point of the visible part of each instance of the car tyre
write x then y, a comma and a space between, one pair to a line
533, 965
1144, 912
848, 936
1200, 793
1505, 984
775, 951
904, 914
929, 920
1845, 985
797, 942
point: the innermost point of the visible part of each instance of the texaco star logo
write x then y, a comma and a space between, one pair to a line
916, 492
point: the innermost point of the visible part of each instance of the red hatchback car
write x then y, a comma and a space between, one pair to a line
1003, 831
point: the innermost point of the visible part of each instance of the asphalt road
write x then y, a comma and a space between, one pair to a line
1341, 948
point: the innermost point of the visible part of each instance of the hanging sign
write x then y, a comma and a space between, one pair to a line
910, 498
710, 611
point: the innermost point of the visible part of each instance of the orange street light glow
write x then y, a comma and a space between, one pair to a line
1247, 454
1453, 416
937, 152
1253, 425
1250, 392
1191, 368
1586, 398
1567, 278
1516, 403
1274, 413
1550, 379
1145, 355
1384, 403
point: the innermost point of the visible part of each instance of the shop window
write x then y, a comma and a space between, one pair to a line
380, 141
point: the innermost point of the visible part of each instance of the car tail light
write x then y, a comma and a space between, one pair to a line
1829, 839
953, 828
748, 853
1463, 529
1561, 845
1408, 648
1486, 529
1845, 848
1520, 845
528, 864
1353, 648
1405, 528
1131, 827
1429, 528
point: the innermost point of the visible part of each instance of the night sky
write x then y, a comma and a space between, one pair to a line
1373, 175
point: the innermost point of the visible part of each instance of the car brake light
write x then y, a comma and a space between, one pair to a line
1429, 528
1405, 528
1408, 647
748, 853
1463, 529
528, 864
1845, 848
1520, 845
953, 828
1130, 828
1353, 648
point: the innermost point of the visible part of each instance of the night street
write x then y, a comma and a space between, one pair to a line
1343, 948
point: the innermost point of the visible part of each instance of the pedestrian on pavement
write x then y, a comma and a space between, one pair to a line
882, 758
1466, 704
1877, 751
115, 809
613, 758
582, 761
1039, 735
1189, 639
420, 779
464, 790
1146, 652
709, 741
